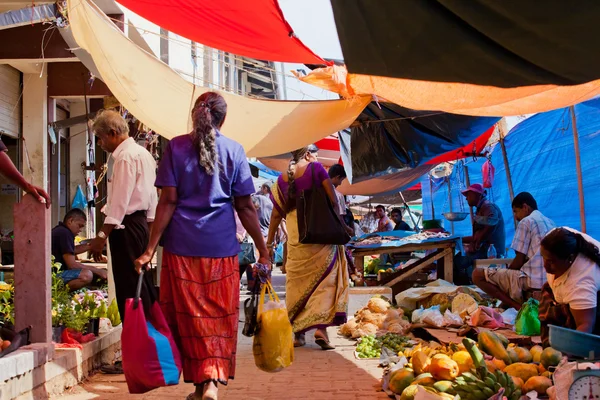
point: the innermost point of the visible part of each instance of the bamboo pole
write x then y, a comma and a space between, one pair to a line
468, 183
502, 130
578, 166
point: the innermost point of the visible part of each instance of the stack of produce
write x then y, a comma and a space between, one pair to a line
370, 346
377, 317
464, 370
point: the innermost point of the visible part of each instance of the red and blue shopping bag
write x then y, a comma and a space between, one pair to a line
150, 356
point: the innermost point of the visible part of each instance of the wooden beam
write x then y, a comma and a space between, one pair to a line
503, 130
26, 42
416, 267
72, 79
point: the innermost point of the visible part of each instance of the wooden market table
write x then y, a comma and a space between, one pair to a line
443, 252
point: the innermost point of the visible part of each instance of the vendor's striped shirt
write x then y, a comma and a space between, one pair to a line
528, 236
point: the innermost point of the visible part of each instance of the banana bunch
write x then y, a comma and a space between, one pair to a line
482, 384
471, 386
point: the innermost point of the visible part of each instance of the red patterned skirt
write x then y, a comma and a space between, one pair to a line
200, 298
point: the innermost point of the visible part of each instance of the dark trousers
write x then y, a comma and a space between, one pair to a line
463, 266
126, 245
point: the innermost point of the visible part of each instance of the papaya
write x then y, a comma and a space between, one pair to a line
541, 369
512, 353
499, 364
492, 345
524, 355
443, 386
536, 352
547, 374
425, 379
550, 357
491, 366
502, 338
443, 368
464, 361
400, 379
522, 370
420, 362
518, 382
538, 383
409, 393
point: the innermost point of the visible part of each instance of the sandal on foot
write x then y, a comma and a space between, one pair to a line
115, 369
299, 341
324, 343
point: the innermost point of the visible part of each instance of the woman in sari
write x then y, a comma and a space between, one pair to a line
203, 177
317, 275
570, 297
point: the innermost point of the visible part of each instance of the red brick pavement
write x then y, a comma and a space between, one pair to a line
315, 374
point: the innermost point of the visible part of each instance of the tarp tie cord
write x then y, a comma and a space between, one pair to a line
376, 100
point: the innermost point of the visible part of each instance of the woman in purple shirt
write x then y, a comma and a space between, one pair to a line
203, 177
316, 286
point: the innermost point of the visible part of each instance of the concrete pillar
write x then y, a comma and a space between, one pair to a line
32, 269
35, 129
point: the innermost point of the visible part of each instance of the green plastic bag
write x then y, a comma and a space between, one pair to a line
528, 321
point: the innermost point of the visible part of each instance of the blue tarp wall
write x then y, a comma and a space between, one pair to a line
541, 157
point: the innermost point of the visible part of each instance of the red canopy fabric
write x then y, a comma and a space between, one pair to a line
475, 146
255, 29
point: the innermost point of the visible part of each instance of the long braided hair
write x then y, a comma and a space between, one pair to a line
208, 114
565, 244
297, 155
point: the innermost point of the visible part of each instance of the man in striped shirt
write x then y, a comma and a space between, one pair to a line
526, 272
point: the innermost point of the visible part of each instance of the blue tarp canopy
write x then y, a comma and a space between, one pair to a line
541, 156
387, 139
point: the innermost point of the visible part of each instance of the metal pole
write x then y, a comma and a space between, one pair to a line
409, 213
502, 130
450, 201
431, 195
579, 173
468, 182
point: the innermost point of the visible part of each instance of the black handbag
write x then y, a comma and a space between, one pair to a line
318, 222
246, 254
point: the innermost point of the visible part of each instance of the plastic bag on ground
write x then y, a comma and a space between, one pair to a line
431, 316
451, 319
509, 316
487, 317
273, 345
528, 321
150, 356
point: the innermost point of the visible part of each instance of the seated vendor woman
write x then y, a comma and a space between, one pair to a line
488, 229
72, 272
570, 297
526, 272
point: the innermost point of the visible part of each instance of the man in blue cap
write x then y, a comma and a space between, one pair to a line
488, 230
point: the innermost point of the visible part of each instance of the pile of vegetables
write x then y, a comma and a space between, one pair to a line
370, 346
475, 370
377, 317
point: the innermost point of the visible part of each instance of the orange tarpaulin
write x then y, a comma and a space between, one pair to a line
457, 98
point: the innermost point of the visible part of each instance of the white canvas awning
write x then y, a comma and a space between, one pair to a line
162, 99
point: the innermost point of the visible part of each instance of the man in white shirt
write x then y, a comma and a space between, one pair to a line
526, 272
130, 207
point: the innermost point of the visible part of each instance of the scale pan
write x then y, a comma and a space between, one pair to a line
455, 216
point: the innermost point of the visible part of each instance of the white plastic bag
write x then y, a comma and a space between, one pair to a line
431, 316
451, 319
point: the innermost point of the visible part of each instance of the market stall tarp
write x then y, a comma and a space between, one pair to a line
453, 97
505, 44
162, 99
542, 162
388, 184
388, 138
255, 29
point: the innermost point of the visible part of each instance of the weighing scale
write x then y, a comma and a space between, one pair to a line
586, 382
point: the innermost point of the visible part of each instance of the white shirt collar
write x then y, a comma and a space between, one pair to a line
121, 147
